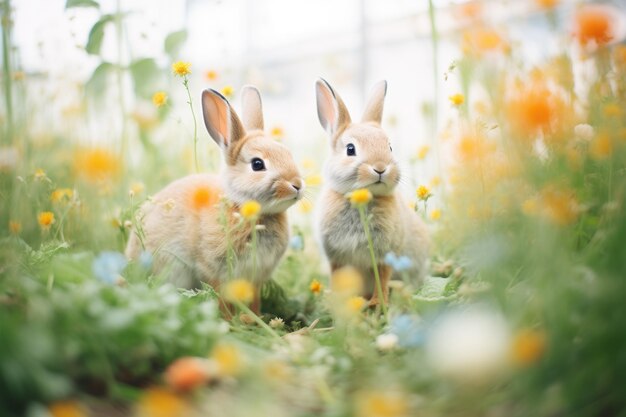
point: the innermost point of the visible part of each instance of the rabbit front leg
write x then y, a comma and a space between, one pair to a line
384, 273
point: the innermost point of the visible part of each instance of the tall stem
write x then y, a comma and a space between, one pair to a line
6, 64
370, 244
195, 125
120, 76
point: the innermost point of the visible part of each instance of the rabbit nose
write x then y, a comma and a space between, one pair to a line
297, 184
379, 172
379, 168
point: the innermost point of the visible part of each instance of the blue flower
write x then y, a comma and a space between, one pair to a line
296, 242
145, 259
409, 329
108, 265
399, 264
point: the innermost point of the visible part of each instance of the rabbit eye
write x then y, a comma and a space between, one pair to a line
350, 150
390, 148
257, 164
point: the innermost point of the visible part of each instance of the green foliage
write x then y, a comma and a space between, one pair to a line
96, 34
147, 76
174, 42
81, 3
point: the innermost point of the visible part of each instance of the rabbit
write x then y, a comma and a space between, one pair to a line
183, 225
362, 157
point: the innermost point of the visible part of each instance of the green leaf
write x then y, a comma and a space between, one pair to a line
96, 34
174, 41
146, 76
81, 3
98, 80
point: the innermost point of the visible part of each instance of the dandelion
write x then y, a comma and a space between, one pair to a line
97, 164
423, 193
186, 373
435, 214
211, 75
594, 25
61, 194
360, 197
381, 403
457, 99
67, 408
160, 402
227, 91
203, 197
45, 219
159, 98
276, 132
528, 347
422, 151
313, 180
601, 147
250, 209
386, 342
229, 359
316, 287
239, 291
346, 281
15, 227
305, 206
354, 304
181, 68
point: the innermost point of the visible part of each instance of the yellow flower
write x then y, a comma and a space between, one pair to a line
423, 193
530, 207
305, 206
528, 347
360, 197
382, 404
612, 110
435, 181
211, 75
97, 164
316, 287
239, 291
355, 304
313, 180
229, 359
547, 4
67, 409
181, 68
601, 147
15, 227
250, 209
40, 174
61, 194
560, 206
227, 91
457, 99
45, 219
136, 188
308, 163
346, 281
277, 132
159, 402
422, 151
159, 98
435, 214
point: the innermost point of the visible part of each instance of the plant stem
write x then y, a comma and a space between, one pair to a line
195, 125
6, 64
120, 78
254, 244
370, 244
434, 34
258, 320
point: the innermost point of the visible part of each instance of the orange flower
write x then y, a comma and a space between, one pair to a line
203, 197
159, 402
535, 109
186, 373
547, 4
601, 146
97, 164
559, 206
474, 148
482, 40
211, 75
67, 409
316, 287
528, 347
594, 25
45, 219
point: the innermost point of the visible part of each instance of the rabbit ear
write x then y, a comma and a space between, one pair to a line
252, 113
374, 108
220, 119
331, 111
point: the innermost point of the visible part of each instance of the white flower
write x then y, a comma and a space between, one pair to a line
386, 342
277, 323
469, 344
583, 132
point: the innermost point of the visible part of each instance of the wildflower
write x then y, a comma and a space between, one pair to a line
612, 110
594, 25
386, 342
346, 281
316, 287
360, 197
530, 207
250, 209
528, 346
181, 68
560, 206
398, 263
97, 164
469, 344
227, 91
355, 304
228, 358
45, 219
108, 266
547, 4
67, 408
308, 163
409, 330
422, 151
239, 291
15, 227
382, 403
40, 174
423, 193
203, 197
136, 188
277, 132
583, 132
211, 75
535, 108
61, 194
159, 98
601, 147
160, 402
305, 206
296, 242
277, 323
313, 180
186, 373
457, 99
435, 214
145, 259
482, 40
435, 181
